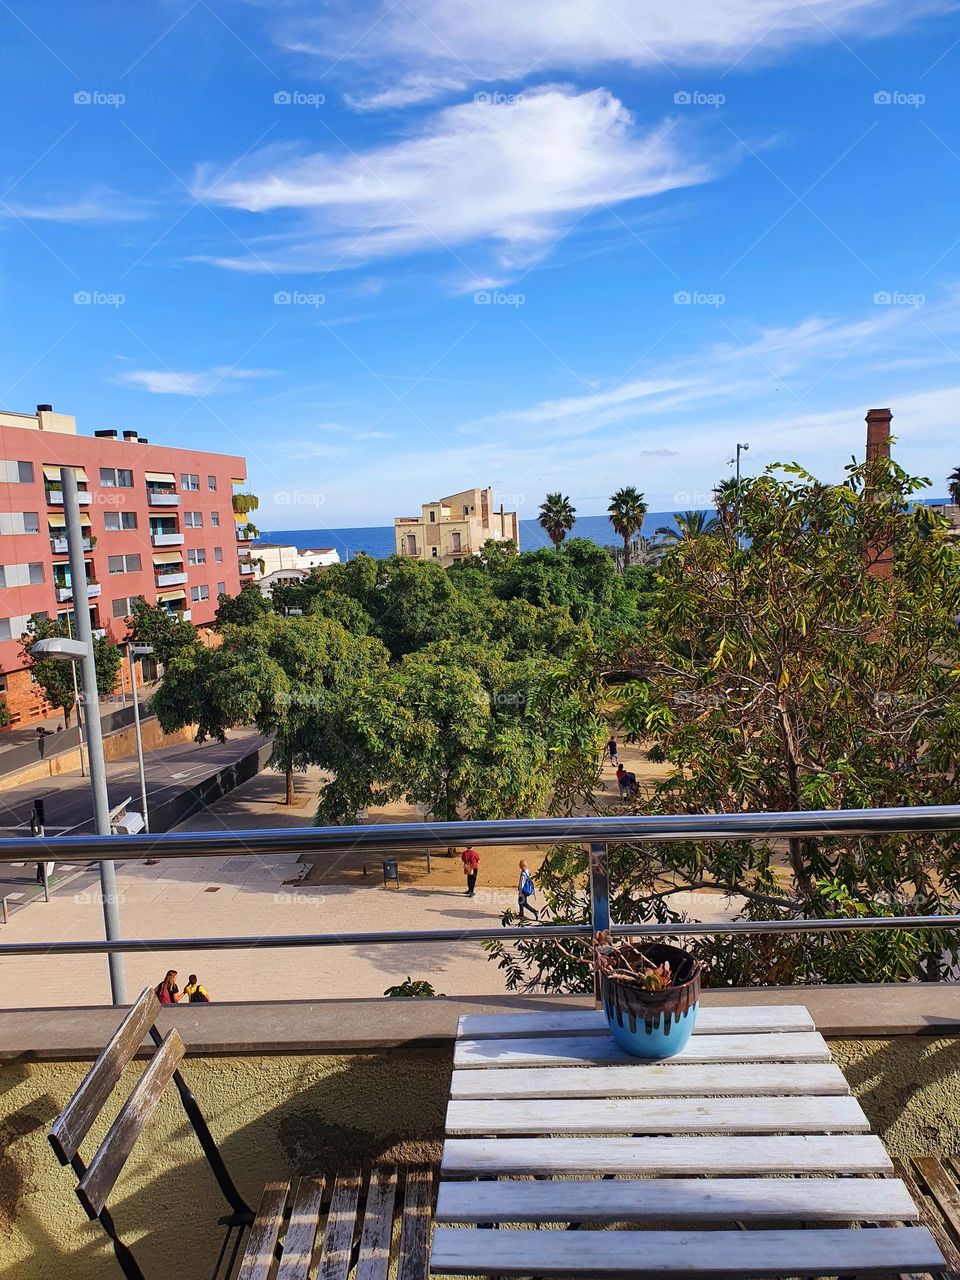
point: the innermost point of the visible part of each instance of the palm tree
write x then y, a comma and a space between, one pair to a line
953, 483
626, 511
557, 517
690, 525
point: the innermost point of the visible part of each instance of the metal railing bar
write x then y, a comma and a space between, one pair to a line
513, 933
418, 836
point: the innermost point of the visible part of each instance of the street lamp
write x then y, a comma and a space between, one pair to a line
139, 651
81, 651
741, 448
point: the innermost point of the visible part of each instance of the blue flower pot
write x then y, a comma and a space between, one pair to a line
653, 1024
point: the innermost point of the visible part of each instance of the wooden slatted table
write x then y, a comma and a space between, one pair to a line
745, 1155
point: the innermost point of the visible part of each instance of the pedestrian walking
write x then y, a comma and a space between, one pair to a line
627, 782
471, 864
167, 991
525, 891
612, 751
195, 992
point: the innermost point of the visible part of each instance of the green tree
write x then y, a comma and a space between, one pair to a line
246, 606
690, 524
291, 677
953, 483
165, 632
55, 677
627, 511
4, 713
557, 517
792, 675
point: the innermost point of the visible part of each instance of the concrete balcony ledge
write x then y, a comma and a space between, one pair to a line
325, 1027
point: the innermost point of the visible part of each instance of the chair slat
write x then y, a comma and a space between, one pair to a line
374, 1260
258, 1257
415, 1230
341, 1226
75, 1121
300, 1240
111, 1156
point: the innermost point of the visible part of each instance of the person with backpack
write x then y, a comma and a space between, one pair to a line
195, 992
525, 891
167, 991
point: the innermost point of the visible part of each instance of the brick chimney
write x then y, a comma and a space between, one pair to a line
880, 560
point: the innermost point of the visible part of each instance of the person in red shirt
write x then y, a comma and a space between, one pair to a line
471, 864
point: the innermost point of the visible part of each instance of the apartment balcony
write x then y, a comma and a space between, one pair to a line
186, 615
55, 498
166, 539
355, 1082
243, 534
246, 570
66, 592
59, 546
162, 498
173, 578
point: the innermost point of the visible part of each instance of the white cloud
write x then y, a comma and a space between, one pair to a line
512, 177
97, 206
429, 46
203, 382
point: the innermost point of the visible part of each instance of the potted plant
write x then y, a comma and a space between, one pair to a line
650, 993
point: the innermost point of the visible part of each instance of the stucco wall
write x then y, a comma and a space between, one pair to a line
270, 1116
299, 1113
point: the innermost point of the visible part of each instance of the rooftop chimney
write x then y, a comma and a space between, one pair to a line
131, 435
44, 408
108, 434
880, 559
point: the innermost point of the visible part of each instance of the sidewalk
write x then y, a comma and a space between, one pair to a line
256, 895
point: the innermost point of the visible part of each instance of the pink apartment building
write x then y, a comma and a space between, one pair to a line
158, 523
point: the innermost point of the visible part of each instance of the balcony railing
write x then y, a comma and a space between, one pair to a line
55, 497
163, 498
415, 837
243, 534
246, 570
59, 546
65, 590
166, 539
173, 578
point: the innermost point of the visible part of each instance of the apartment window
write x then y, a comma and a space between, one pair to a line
456, 542
212, 483
13, 628
196, 555
115, 520
433, 517
221, 588
123, 607
5, 631
189, 482
16, 472
218, 554
215, 519
21, 575
116, 478
193, 519
199, 593
434, 552
123, 564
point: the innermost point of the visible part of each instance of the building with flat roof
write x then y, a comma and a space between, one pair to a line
455, 527
158, 523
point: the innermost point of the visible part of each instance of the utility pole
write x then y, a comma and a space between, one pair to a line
76, 701
741, 448
132, 654
91, 700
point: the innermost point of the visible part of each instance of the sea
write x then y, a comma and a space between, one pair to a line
378, 540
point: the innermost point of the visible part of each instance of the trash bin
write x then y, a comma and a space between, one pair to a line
390, 872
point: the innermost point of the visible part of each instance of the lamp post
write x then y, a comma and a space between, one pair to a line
741, 448
81, 650
135, 651
76, 703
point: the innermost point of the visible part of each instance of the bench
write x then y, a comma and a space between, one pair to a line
344, 1221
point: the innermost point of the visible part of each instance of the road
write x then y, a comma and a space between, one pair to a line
67, 799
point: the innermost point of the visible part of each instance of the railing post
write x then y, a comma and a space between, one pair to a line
599, 903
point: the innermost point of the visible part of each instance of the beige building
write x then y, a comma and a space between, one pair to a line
455, 527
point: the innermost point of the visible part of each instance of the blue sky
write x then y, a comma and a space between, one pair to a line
390, 249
